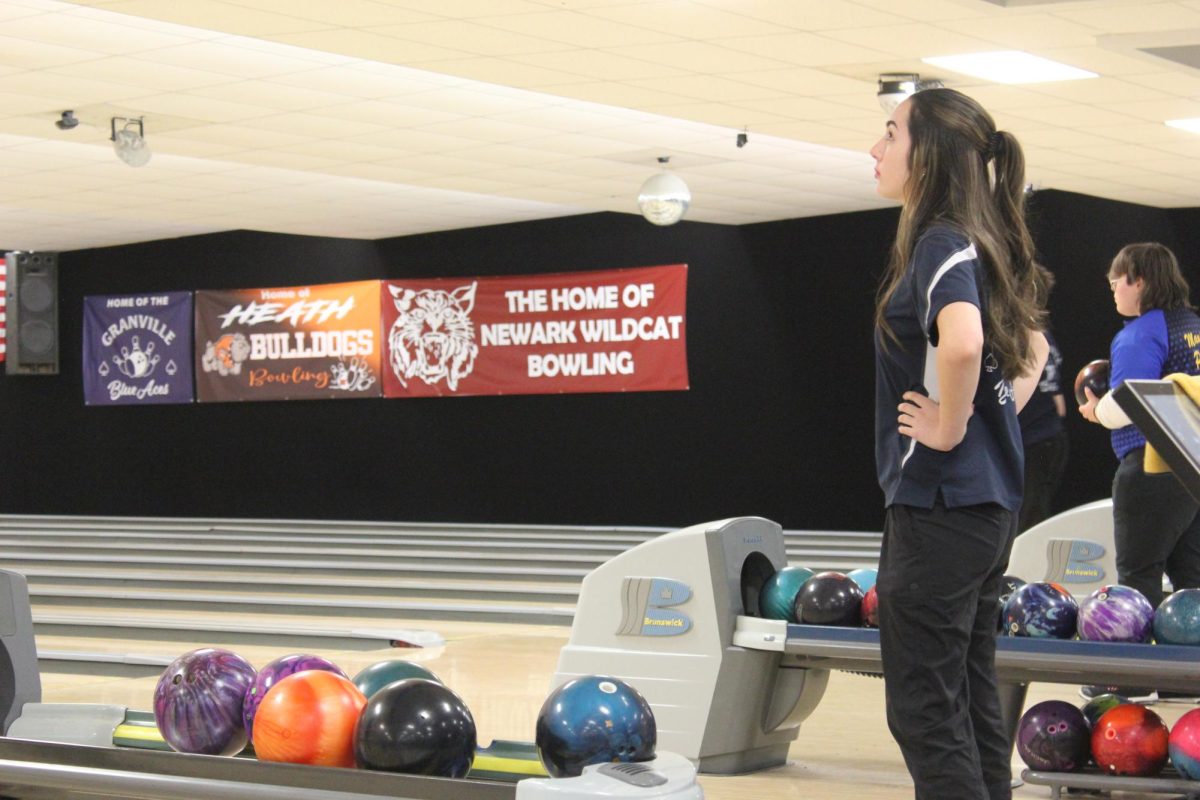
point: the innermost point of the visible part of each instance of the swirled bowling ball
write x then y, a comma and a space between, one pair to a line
1008, 585
829, 598
418, 727
198, 702
1183, 745
272, 673
870, 608
777, 598
1177, 619
371, 679
1094, 376
1041, 610
593, 720
1054, 736
1130, 740
1115, 613
309, 718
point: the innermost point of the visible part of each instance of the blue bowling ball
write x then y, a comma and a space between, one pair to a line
778, 595
594, 720
1042, 610
1177, 619
865, 577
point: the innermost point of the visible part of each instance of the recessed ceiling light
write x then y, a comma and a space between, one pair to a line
1190, 125
1009, 66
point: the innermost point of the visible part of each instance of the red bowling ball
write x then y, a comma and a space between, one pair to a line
1130, 740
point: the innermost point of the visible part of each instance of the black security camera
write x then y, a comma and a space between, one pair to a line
67, 122
742, 139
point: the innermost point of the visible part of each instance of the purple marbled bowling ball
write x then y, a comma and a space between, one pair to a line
1116, 613
198, 702
1042, 610
1054, 736
273, 673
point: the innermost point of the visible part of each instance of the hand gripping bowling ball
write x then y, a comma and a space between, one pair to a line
829, 598
777, 597
275, 671
1115, 613
371, 679
593, 720
418, 727
1054, 736
1177, 620
1041, 610
198, 702
1183, 745
1130, 740
309, 718
1008, 585
1094, 376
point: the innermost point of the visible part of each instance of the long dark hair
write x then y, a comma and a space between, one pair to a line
966, 174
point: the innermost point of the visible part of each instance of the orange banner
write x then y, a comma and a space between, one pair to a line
300, 342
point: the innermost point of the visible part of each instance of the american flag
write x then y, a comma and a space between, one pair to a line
3, 292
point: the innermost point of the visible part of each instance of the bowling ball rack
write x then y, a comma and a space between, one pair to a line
1169, 782
1019, 661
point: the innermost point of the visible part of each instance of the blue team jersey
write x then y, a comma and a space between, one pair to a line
987, 466
1152, 346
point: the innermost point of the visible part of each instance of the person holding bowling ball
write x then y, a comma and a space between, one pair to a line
1156, 523
959, 350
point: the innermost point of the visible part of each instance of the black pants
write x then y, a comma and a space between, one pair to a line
939, 582
1044, 465
1156, 529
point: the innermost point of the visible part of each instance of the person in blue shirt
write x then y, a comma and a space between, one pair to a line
958, 351
1156, 523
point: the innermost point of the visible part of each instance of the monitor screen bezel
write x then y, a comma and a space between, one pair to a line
1135, 397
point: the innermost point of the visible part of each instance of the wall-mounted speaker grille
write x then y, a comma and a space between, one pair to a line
32, 308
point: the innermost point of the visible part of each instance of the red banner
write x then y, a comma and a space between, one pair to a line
288, 343
610, 331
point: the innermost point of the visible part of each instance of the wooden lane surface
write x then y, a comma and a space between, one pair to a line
503, 673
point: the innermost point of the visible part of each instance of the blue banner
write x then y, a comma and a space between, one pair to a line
137, 349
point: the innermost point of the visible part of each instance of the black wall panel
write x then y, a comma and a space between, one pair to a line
777, 421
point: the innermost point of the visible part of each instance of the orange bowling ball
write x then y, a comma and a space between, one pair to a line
309, 718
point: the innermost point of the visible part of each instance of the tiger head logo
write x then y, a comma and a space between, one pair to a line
433, 338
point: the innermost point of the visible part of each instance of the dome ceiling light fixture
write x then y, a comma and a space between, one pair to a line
129, 141
896, 87
664, 198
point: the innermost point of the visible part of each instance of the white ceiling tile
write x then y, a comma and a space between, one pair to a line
579, 29
1028, 32
1131, 17
511, 72
812, 16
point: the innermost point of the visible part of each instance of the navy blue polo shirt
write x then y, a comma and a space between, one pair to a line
987, 466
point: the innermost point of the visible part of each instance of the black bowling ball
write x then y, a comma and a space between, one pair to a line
418, 727
829, 598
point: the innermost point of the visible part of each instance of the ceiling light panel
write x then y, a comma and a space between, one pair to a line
1009, 66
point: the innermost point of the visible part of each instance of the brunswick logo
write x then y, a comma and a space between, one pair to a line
646, 607
1074, 561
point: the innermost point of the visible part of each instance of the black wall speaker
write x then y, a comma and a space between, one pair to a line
32, 308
